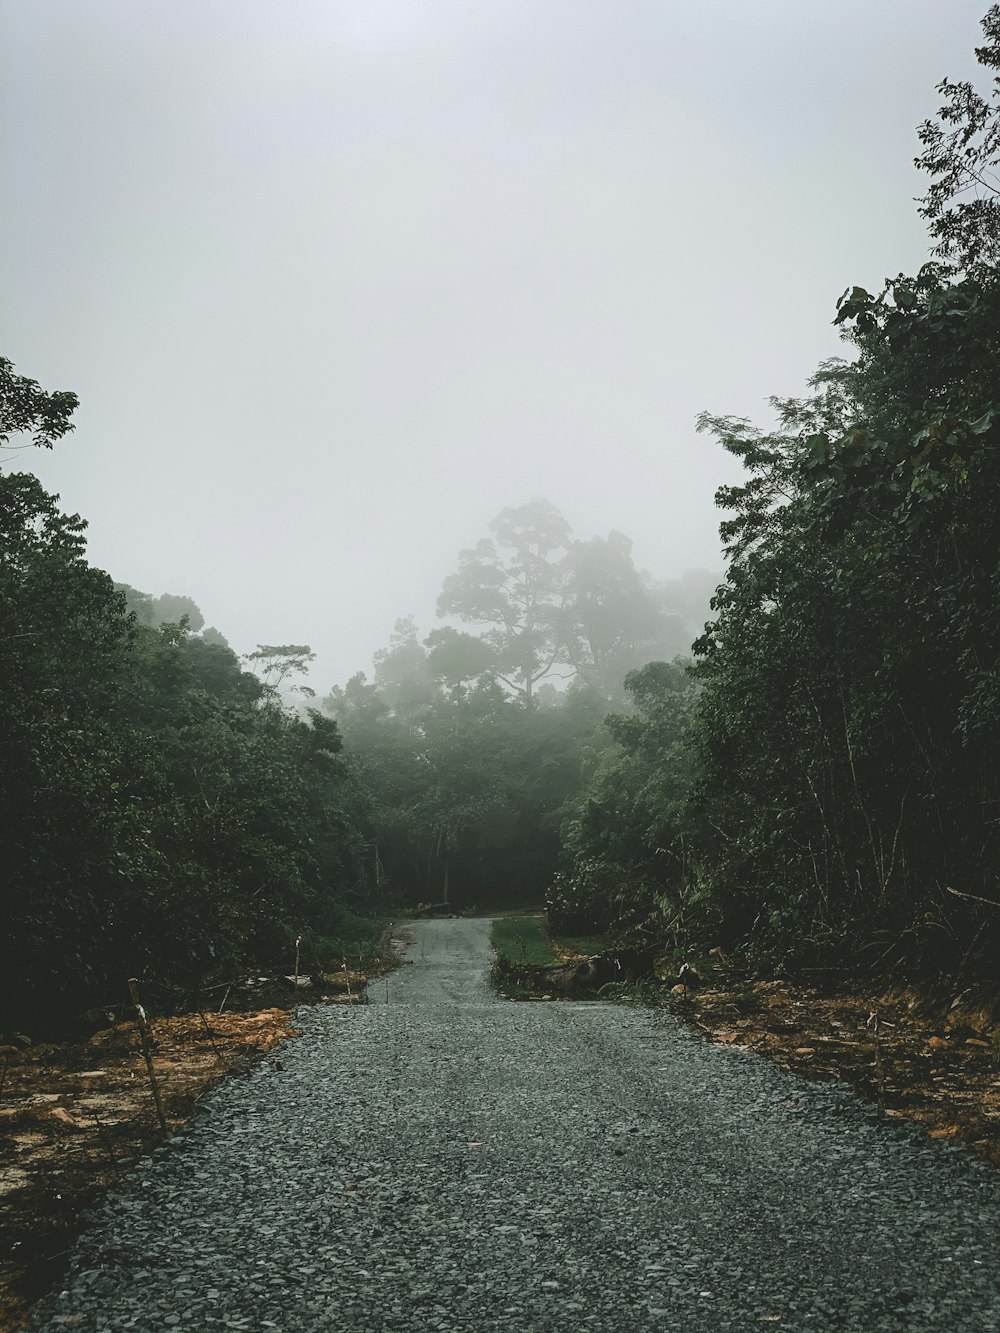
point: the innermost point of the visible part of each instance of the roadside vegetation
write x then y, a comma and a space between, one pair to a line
522, 940
527, 940
815, 787
822, 790
166, 815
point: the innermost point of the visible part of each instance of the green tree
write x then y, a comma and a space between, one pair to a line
138, 604
458, 661
627, 858
25, 408
960, 152
214, 636
511, 582
402, 671
611, 620
171, 609
277, 663
65, 642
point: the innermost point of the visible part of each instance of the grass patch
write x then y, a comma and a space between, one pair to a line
521, 940
647, 993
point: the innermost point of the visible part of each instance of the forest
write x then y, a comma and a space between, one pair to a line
794, 761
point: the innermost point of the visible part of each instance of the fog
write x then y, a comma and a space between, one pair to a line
336, 282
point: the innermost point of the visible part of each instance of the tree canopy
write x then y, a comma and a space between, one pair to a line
842, 789
164, 815
25, 408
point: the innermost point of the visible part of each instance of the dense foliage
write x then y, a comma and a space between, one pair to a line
466, 782
625, 846
843, 804
163, 814
847, 730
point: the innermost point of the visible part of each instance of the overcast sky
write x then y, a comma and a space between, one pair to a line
336, 280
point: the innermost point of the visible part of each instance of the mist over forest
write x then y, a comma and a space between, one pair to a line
469, 739
500, 665
790, 757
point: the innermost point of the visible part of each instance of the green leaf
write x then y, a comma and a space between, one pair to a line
984, 423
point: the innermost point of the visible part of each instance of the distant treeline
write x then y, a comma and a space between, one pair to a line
467, 748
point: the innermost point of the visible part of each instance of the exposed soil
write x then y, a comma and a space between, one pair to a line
78, 1115
548, 1167
75, 1116
930, 1060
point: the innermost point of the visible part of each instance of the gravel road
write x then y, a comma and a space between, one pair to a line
443, 1160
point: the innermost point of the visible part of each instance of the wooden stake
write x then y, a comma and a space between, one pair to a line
298, 944
874, 1024
219, 1055
147, 1050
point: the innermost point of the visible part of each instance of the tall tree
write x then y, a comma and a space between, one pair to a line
403, 673
625, 855
65, 646
611, 620
512, 582
275, 663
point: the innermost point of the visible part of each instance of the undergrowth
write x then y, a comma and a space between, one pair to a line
647, 992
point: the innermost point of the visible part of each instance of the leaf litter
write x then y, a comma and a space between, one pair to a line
76, 1116
932, 1059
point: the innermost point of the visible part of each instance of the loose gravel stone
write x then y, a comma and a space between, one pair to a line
442, 1160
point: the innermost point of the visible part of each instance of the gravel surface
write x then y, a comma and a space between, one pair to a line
440, 1159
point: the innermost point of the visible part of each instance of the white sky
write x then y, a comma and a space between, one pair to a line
336, 280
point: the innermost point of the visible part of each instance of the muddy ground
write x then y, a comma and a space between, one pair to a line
75, 1116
